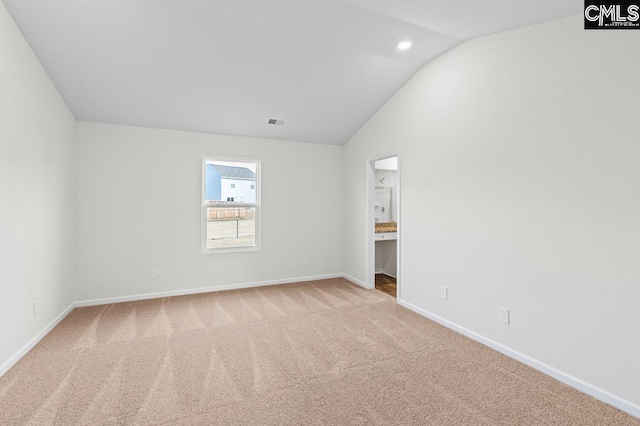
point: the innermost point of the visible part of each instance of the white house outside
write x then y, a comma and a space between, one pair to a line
230, 183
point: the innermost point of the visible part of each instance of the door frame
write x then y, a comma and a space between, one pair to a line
370, 251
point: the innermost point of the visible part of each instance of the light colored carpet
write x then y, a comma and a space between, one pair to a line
313, 353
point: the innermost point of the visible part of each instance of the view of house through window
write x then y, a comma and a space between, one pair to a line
230, 204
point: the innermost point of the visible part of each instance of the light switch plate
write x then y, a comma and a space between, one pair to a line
504, 315
444, 293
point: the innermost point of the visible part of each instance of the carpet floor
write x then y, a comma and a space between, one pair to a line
314, 353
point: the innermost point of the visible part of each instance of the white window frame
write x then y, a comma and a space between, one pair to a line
205, 205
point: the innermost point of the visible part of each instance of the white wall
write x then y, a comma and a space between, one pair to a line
139, 194
37, 203
520, 188
386, 257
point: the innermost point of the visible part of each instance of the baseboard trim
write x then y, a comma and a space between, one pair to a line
146, 296
601, 394
34, 341
354, 280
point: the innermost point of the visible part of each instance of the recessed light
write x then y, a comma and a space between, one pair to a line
403, 44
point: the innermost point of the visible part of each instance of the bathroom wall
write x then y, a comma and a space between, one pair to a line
388, 179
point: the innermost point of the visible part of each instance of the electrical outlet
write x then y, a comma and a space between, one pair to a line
35, 308
306, 260
154, 273
503, 315
444, 293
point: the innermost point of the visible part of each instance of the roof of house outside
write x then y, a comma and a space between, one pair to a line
233, 172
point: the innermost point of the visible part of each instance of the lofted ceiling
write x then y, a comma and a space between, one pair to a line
323, 66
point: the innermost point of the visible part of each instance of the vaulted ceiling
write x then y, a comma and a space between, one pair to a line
323, 66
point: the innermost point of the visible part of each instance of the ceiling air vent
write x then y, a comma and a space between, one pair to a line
276, 122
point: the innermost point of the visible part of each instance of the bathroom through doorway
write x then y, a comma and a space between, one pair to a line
383, 188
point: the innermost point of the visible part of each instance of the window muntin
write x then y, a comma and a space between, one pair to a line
230, 204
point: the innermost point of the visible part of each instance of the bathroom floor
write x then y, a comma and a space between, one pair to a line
386, 284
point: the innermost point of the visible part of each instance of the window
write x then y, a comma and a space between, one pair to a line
230, 204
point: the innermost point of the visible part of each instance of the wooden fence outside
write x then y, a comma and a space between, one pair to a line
215, 214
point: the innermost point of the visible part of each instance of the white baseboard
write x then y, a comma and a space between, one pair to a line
145, 296
354, 280
34, 341
574, 382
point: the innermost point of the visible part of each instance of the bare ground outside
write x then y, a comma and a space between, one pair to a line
231, 233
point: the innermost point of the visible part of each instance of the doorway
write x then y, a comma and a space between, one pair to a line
383, 225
